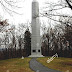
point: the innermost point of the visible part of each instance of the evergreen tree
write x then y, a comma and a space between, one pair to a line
27, 42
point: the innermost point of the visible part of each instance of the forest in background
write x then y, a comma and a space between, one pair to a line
16, 42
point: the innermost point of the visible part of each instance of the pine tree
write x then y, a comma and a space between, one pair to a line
27, 42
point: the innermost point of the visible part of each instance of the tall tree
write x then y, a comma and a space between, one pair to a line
27, 41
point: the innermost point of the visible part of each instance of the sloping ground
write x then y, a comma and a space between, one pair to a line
38, 67
15, 65
61, 64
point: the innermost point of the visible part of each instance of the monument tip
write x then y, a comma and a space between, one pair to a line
34, 0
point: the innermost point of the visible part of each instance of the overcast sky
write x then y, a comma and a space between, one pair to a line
26, 11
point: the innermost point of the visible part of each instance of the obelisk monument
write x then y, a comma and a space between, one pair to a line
35, 37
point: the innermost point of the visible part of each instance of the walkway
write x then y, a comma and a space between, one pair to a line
38, 67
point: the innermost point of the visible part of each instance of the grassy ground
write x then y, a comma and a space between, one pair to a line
15, 65
61, 64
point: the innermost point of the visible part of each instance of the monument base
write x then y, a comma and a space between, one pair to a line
36, 55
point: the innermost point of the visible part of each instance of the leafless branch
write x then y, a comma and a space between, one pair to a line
10, 6
50, 17
68, 2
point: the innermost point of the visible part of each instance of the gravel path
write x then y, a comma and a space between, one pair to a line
38, 67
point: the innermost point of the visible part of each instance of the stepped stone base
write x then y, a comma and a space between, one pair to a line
37, 55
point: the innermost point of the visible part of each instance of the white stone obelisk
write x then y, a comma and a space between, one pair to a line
35, 37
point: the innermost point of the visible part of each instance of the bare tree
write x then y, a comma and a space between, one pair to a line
51, 11
10, 6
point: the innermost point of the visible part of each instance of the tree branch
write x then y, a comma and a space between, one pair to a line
69, 4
